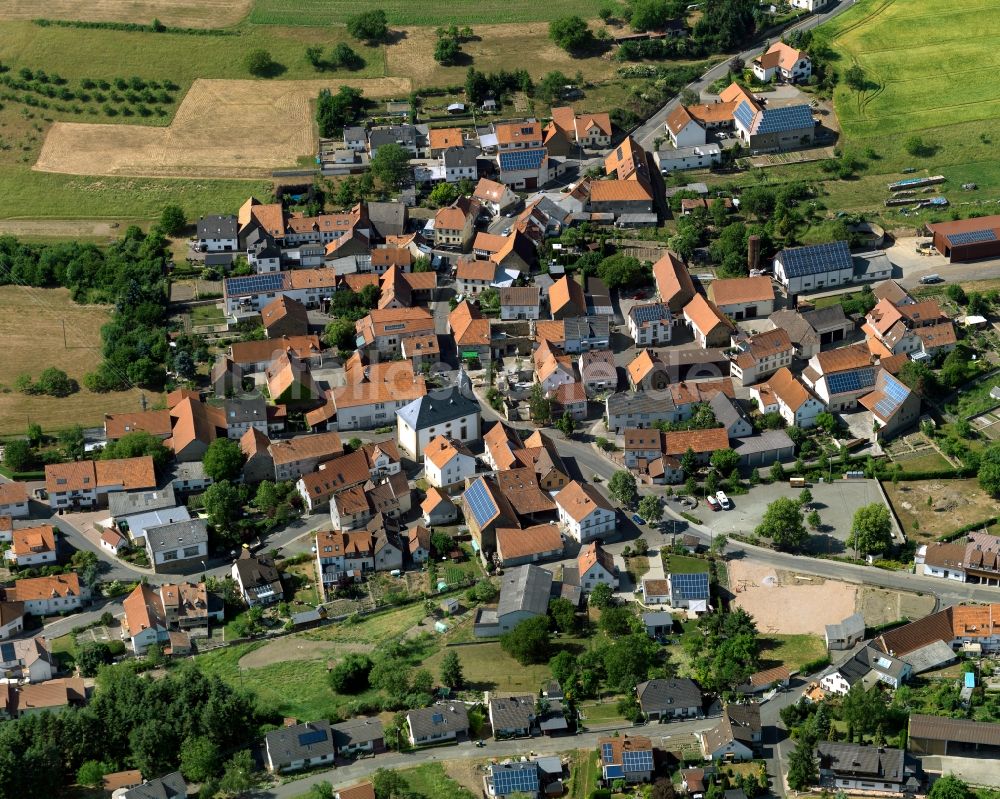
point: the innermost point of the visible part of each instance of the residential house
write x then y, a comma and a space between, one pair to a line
289, 381
342, 556
440, 723
244, 412
372, 461
511, 716
47, 596
673, 282
647, 372
845, 634
14, 502
257, 578
299, 746
474, 276
868, 666
629, 758
674, 403
729, 413
285, 316
893, 292
454, 226
683, 129
363, 790
839, 378
553, 368
974, 558
596, 566
217, 234
894, 406
27, 659
497, 197
809, 5
256, 449
471, 331
85, 484
759, 355
383, 329
369, 404
539, 453
360, 736
301, 455
570, 398
177, 546
566, 298
517, 778
784, 393
710, 327
689, 589
437, 508
814, 267
117, 425
641, 446
412, 138
698, 156
32, 546
590, 131
517, 547
584, 512
598, 373
525, 169
766, 680
447, 462
49, 697
520, 302
702, 442
196, 425
766, 129
742, 297
441, 139
581, 333
667, 699
418, 543
11, 619
256, 356
782, 61
736, 737
649, 324
152, 613
858, 767
449, 412
524, 594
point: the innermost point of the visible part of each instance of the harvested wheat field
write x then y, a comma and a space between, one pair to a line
31, 329
789, 603
174, 13
223, 129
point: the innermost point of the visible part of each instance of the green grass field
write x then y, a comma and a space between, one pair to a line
421, 12
681, 564
791, 650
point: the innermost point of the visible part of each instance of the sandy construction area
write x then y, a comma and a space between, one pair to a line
786, 603
223, 129
175, 13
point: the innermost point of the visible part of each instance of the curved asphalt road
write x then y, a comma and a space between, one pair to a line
653, 127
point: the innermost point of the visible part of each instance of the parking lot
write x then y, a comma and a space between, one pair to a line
836, 503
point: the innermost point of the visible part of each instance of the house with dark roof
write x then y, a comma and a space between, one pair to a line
177, 545
511, 716
894, 406
814, 267
453, 413
217, 233
524, 594
769, 128
629, 758
736, 736
358, 736
869, 666
673, 698
440, 723
169, 786
257, 578
853, 767
299, 746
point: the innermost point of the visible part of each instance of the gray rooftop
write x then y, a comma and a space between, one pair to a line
169, 786
869, 264
245, 409
355, 133
822, 318
657, 695
176, 535
126, 503
217, 227
404, 135
436, 408
138, 523
861, 761
299, 742
853, 625
388, 218
766, 441
460, 156
357, 731
581, 327
512, 712
258, 575
727, 412
189, 470
525, 589
930, 656
658, 618
655, 403
441, 718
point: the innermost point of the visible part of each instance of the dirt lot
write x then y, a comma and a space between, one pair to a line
223, 128
295, 648
953, 504
880, 606
176, 13
31, 331
780, 603
86, 229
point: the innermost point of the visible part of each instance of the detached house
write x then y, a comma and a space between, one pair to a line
584, 512
520, 302
454, 226
299, 746
784, 394
437, 724
46, 596
32, 546
448, 412
497, 197
759, 355
736, 736
853, 767
448, 462
743, 297
595, 567
628, 758
782, 61
511, 716
710, 327
894, 406
14, 500
258, 579
649, 324
675, 698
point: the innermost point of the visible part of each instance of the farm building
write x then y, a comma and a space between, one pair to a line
967, 239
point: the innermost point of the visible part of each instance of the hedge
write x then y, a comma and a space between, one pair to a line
967, 529
939, 474
878, 629
815, 665
132, 27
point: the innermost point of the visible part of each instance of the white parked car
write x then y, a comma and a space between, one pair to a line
723, 500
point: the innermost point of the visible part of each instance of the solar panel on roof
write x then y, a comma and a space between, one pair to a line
608, 753
521, 159
894, 393
744, 114
816, 259
972, 237
481, 503
638, 761
255, 284
312, 737
6, 652
792, 117
650, 313
689, 586
613, 772
515, 780
437, 718
854, 380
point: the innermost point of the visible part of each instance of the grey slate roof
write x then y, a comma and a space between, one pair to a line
127, 503
853, 625
657, 618
299, 742
247, 408
655, 695
355, 133
727, 413
388, 218
440, 718
177, 535
436, 408
766, 441
460, 156
868, 659
404, 135
823, 318
258, 574
525, 588
217, 227
512, 712
169, 786
626, 402
851, 760
581, 327
357, 731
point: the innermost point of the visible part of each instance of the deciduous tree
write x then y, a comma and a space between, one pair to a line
871, 530
782, 523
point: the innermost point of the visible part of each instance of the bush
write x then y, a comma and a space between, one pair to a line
259, 62
369, 26
571, 34
815, 665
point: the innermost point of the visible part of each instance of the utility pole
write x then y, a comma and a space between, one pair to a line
65, 344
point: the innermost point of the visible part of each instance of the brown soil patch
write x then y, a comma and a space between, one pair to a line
175, 13
881, 606
31, 332
67, 228
467, 773
953, 504
789, 603
413, 54
294, 648
223, 129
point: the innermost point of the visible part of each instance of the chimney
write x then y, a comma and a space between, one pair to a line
753, 252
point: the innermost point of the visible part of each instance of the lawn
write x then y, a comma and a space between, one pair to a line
924, 461
977, 399
791, 650
423, 12
930, 508
375, 629
583, 775
31, 329
430, 780
601, 713
681, 564
207, 315
488, 668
